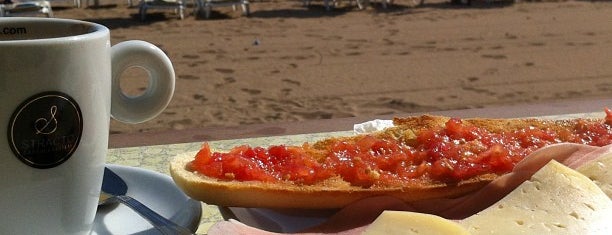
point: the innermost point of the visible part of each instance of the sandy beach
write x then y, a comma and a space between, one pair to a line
287, 62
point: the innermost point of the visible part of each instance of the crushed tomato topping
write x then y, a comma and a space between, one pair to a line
449, 154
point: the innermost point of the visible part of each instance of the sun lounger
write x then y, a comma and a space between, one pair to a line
29, 8
328, 4
207, 5
362, 4
178, 6
76, 3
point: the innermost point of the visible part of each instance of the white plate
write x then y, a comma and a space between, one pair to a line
280, 221
155, 190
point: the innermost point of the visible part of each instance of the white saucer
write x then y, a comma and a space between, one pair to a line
155, 190
279, 221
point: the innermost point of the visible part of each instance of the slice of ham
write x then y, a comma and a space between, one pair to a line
354, 218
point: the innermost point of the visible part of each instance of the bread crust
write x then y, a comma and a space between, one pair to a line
336, 193
328, 195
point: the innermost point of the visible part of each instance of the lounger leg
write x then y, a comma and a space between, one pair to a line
362, 4
198, 8
327, 6
245, 8
207, 11
143, 13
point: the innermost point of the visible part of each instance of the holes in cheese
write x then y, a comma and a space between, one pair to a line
556, 200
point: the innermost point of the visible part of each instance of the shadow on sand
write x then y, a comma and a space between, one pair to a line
315, 10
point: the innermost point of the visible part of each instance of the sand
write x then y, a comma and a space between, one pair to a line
287, 62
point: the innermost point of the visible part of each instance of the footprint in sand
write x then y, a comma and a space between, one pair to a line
401, 105
191, 56
315, 115
479, 90
352, 46
333, 38
506, 96
196, 63
286, 91
119, 37
388, 42
199, 97
537, 44
511, 95
510, 36
251, 91
604, 87
210, 51
188, 77
403, 53
424, 47
580, 43
473, 79
301, 57
447, 97
494, 56
471, 39
170, 113
225, 71
292, 82
393, 32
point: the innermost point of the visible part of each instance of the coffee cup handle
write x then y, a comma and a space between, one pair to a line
136, 109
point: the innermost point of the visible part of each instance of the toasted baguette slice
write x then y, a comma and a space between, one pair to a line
336, 193
333, 193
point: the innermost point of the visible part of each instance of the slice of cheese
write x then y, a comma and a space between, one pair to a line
556, 200
600, 172
401, 222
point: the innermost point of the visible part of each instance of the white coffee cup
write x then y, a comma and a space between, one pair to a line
59, 86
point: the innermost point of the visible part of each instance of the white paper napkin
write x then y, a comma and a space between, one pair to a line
372, 126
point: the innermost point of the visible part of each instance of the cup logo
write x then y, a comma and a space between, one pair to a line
45, 130
42, 124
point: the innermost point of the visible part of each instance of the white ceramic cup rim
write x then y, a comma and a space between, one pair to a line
90, 31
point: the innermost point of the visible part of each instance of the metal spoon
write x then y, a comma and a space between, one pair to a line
114, 190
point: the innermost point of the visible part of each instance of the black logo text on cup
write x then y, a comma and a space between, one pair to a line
45, 130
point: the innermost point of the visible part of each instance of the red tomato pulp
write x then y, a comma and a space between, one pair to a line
447, 154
